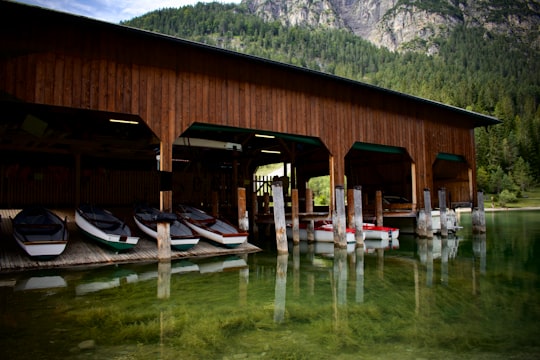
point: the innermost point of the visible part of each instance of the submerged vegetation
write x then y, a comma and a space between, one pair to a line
398, 308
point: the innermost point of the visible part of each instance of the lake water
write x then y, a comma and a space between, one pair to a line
470, 297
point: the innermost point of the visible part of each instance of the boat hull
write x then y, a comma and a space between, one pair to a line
211, 228
45, 250
118, 242
230, 241
321, 234
40, 233
177, 243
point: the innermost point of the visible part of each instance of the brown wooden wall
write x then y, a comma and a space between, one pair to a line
68, 61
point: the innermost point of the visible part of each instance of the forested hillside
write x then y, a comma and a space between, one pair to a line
486, 73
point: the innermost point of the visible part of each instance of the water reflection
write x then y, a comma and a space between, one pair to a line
280, 288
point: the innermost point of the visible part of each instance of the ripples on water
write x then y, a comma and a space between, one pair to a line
461, 298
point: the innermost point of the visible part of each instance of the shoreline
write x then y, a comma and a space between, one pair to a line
497, 209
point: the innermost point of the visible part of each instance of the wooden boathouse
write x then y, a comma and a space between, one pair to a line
102, 113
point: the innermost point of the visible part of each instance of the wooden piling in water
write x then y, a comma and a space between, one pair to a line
243, 220
442, 209
164, 240
379, 208
340, 234
358, 217
279, 218
421, 223
254, 212
309, 210
295, 216
427, 209
350, 208
479, 216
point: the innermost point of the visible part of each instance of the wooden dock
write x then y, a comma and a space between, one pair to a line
83, 251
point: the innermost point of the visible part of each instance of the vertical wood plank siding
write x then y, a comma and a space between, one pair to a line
173, 84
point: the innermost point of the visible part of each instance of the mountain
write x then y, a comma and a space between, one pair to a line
407, 24
484, 57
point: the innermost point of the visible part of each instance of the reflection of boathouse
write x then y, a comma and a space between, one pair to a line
212, 116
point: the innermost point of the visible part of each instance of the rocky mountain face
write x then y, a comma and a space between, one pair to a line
402, 25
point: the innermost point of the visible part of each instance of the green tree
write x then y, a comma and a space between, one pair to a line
522, 174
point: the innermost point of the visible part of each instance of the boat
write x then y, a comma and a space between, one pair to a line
101, 225
385, 233
182, 236
323, 231
215, 229
40, 232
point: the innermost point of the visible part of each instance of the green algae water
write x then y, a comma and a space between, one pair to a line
466, 297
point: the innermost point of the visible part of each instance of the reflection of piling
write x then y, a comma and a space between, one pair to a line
281, 287
479, 216
359, 275
279, 218
479, 249
340, 235
164, 280
340, 275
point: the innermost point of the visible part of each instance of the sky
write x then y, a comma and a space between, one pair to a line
113, 11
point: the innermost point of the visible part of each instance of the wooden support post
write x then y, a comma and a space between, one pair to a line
421, 223
340, 226
77, 179
350, 208
254, 212
266, 204
309, 210
358, 217
295, 219
215, 204
427, 209
442, 209
279, 218
379, 207
243, 220
414, 198
479, 216
164, 240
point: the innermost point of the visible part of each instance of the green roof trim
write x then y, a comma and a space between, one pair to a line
378, 148
450, 157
